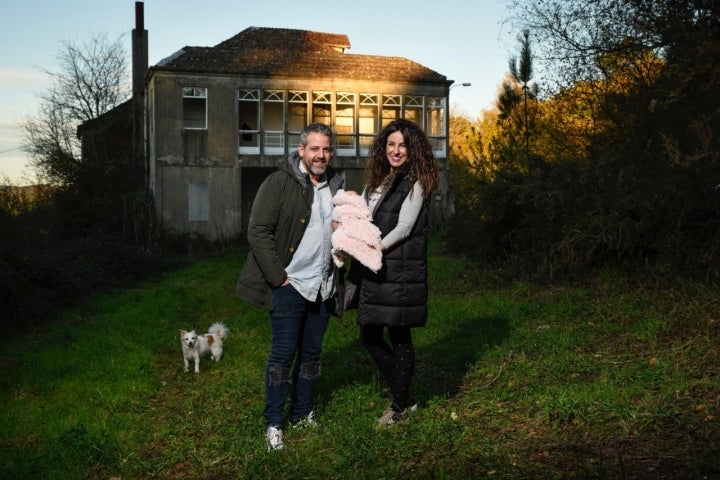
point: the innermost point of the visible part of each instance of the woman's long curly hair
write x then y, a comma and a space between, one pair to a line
420, 163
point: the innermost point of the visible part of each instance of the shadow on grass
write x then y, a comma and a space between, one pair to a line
443, 354
441, 364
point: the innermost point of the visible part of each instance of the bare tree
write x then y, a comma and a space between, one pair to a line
92, 79
570, 35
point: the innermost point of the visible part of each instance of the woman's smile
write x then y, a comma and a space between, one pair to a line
395, 149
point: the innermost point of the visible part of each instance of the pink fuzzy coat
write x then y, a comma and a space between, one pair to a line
356, 236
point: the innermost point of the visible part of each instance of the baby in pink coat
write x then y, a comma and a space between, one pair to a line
355, 235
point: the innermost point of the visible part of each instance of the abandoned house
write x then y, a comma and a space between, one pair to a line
218, 120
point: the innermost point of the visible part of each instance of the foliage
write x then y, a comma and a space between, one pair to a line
624, 159
16, 200
516, 380
472, 142
92, 225
656, 56
50, 257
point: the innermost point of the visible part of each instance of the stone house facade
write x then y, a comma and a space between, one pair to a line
219, 119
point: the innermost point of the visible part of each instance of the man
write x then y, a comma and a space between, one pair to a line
290, 272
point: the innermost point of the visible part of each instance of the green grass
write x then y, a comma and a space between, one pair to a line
521, 381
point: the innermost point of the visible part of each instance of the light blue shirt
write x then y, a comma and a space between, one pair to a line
311, 269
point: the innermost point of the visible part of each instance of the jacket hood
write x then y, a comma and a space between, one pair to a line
292, 167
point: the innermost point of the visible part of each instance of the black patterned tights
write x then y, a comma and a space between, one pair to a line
396, 360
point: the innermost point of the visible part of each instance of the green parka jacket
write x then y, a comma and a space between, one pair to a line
278, 219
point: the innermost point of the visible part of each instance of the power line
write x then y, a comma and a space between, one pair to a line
10, 150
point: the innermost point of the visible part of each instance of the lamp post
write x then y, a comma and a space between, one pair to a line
446, 200
466, 84
447, 104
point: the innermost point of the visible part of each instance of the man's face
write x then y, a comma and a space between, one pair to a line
316, 155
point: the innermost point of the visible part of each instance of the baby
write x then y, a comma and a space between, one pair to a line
354, 233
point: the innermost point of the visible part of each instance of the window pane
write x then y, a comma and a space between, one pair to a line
322, 97
368, 125
297, 117
273, 121
321, 109
368, 99
391, 100
435, 117
194, 92
248, 121
249, 95
345, 120
274, 96
413, 109
297, 97
345, 112
194, 112
273, 116
297, 110
390, 109
413, 101
344, 98
322, 115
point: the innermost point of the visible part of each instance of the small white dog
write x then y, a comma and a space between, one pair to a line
195, 346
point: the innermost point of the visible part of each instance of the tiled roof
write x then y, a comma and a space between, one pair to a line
283, 52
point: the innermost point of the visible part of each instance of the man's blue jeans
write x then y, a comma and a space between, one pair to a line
297, 328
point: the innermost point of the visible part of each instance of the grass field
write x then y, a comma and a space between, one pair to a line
520, 381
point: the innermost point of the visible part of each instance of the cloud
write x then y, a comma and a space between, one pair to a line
13, 160
12, 78
17, 97
19, 88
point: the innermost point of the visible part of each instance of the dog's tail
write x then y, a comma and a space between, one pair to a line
219, 329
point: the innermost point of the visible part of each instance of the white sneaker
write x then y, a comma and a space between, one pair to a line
391, 417
274, 439
306, 422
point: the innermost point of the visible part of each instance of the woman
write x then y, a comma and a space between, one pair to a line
401, 178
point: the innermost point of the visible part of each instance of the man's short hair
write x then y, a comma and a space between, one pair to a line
316, 128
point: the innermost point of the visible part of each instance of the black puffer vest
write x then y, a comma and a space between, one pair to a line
397, 294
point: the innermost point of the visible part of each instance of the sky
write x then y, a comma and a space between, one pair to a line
465, 40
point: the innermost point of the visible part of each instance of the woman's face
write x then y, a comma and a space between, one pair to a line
395, 150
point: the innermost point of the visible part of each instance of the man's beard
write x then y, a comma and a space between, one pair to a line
318, 170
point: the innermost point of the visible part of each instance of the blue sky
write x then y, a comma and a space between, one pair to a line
464, 40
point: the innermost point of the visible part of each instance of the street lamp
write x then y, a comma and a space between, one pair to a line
466, 84
447, 204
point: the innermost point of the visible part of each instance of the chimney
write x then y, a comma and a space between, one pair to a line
141, 170
139, 50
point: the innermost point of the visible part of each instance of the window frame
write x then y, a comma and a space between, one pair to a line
190, 93
248, 140
369, 104
273, 140
345, 123
435, 112
297, 99
415, 104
